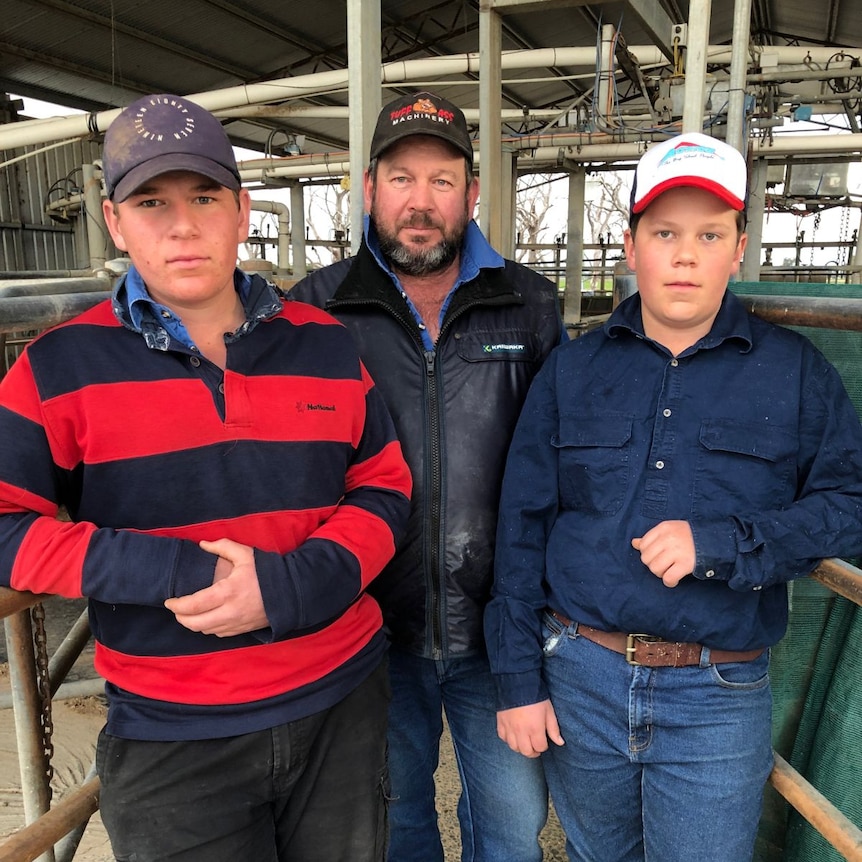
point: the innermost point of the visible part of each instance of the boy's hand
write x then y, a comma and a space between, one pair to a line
526, 729
667, 550
233, 604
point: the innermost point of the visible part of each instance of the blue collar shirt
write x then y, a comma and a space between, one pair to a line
476, 254
163, 330
748, 435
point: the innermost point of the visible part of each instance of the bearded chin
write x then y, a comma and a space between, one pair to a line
419, 261
423, 260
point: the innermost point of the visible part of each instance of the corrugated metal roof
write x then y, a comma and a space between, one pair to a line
98, 54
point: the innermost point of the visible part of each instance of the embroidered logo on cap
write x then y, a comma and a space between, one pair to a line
684, 148
184, 122
423, 108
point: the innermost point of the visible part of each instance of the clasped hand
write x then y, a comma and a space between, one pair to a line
668, 551
233, 605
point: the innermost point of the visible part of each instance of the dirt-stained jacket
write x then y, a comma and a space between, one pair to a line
454, 408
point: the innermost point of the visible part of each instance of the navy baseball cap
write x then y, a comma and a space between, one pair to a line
162, 133
421, 114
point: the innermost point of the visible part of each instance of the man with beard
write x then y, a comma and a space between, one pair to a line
453, 335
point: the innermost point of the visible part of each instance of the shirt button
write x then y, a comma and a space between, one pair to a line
221, 388
674, 362
666, 412
710, 573
758, 587
166, 315
659, 465
195, 361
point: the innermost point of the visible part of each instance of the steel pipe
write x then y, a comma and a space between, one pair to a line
32, 841
841, 578
282, 213
67, 653
12, 601
837, 829
66, 847
33, 764
56, 284
34, 274
21, 313
20, 134
94, 687
823, 312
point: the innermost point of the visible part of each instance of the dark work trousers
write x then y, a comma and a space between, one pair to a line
312, 790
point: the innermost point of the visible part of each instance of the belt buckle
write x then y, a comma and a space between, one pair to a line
632, 641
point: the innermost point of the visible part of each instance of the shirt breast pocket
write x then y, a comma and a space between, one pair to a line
744, 463
594, 463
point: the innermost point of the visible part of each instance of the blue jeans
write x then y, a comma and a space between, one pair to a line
504, 800
312, 790
660, 764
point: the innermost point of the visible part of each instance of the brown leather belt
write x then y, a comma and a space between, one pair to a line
650, 651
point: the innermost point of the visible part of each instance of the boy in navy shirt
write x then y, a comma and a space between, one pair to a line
670, 473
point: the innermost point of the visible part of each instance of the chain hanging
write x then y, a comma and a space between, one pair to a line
43, 684
813, 235
844, 251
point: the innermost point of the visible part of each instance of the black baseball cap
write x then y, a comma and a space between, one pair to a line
162, 133
421, 114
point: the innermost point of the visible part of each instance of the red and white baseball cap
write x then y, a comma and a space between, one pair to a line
692, 159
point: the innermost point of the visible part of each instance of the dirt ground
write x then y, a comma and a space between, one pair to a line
77, 721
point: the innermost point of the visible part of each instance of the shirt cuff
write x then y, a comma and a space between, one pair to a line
520, 689
195, 569
715, 550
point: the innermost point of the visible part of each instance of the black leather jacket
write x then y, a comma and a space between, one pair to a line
455, 409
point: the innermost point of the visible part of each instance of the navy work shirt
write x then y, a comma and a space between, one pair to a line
748, 435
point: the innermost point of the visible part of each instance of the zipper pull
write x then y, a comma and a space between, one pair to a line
429, 360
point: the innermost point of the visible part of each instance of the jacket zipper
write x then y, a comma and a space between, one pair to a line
434, 535
436, 507
435, 531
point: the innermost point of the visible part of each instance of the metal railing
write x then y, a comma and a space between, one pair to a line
844, 580
840, 577
50, 833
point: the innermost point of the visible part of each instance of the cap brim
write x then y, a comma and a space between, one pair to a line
689, 182
412, 133
162, 164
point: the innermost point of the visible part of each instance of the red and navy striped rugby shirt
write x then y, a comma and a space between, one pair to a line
289, 450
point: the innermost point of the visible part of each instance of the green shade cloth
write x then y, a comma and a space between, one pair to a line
816, 669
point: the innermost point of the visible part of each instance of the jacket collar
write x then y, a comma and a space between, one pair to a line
369, 279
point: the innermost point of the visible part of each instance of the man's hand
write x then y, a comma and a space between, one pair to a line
667, 550
527, 729
233, 604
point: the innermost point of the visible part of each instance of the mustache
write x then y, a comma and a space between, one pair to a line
420, 220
